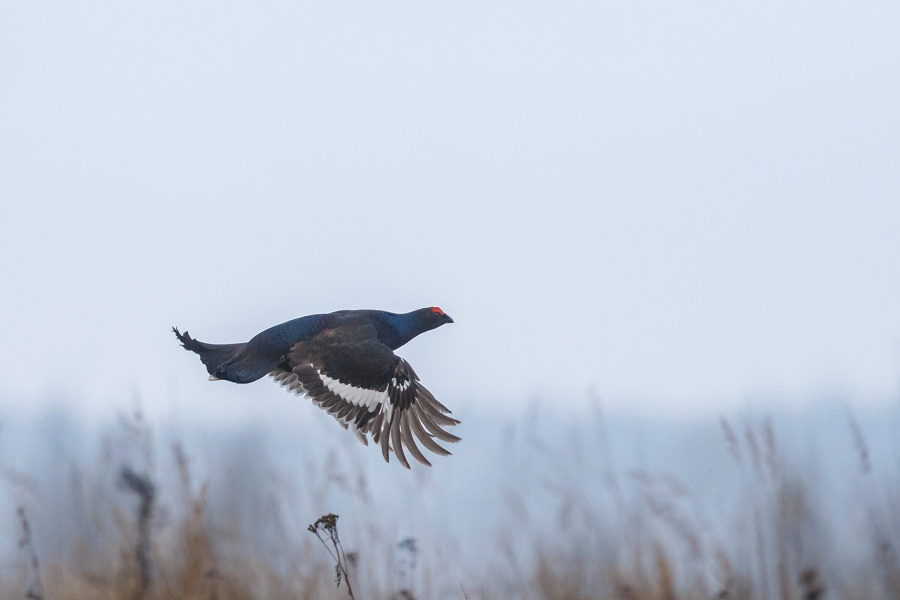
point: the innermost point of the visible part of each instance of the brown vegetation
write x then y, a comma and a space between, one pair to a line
653, 548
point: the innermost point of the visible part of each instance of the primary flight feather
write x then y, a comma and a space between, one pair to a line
345, 362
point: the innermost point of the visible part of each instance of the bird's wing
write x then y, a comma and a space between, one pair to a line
369, 390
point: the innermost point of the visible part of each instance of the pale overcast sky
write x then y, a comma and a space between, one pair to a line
680, 204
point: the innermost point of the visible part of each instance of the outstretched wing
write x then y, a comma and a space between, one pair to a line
369, 390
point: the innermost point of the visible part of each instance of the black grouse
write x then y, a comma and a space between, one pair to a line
345, 362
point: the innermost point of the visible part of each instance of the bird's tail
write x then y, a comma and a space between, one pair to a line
218, 358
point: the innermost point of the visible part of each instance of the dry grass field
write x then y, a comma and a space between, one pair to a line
132, 533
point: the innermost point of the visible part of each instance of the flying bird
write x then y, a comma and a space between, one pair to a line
345, 362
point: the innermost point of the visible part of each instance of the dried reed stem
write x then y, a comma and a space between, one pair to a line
336, 550
35, 590
146, 491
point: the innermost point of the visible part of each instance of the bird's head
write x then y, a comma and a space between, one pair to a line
431, 318
403, 327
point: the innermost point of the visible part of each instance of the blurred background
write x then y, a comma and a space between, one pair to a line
652, 223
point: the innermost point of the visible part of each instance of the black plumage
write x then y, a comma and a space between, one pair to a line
345, 362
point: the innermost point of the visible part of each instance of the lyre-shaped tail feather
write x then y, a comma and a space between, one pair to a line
224, 361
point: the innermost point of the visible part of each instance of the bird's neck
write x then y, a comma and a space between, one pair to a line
401, 329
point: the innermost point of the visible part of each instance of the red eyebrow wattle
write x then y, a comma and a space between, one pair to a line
436, 310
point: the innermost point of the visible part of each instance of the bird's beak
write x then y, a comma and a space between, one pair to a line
447, 318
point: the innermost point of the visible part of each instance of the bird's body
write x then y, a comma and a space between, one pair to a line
345, 362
